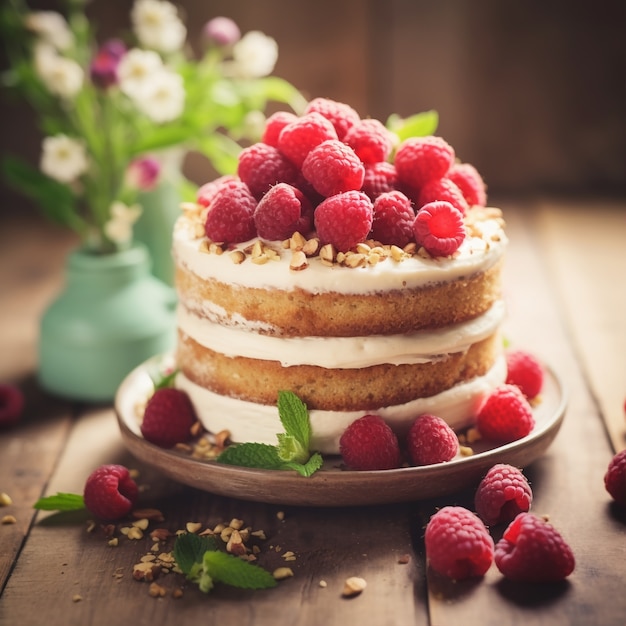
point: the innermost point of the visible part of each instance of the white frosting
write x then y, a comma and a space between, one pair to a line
341, 352
248, 421
476, 254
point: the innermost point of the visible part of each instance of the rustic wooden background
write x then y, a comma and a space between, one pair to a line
533, 93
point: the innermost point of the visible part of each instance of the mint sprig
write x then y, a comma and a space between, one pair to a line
202, 563
61, 502
292, 450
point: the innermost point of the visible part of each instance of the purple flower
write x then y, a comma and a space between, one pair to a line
222, 31
143, 173
103, 69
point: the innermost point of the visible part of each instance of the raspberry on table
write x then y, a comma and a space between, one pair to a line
207, 192
333, 167
466, 177
531, 550
110, 493
615, 478
422, 159
274, 124
505, 415
393, 219
457, 544
371, 141
525, 371
502, 494
168, 417
261, 166
379, 178
341, 115
297, 139
439, 228
442, 189
344, 220
431, 440
11, 405
369, 444
281, 212
230, 216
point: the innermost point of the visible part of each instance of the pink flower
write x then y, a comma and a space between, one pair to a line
143, 173
222, 31
104, 65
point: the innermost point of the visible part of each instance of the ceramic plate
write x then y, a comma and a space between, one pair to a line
333, 486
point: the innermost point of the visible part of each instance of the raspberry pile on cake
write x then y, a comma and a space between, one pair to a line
356, 270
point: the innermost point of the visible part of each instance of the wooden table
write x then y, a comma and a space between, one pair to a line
566, 295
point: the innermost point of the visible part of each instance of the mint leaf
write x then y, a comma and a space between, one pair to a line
418, 125
291, 450
61, 502
189, 550
294, 417
309, 468
261, 455
231, 570
166, 380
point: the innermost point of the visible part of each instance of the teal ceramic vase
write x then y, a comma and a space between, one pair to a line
113, 315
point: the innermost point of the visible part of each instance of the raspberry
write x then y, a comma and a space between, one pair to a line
11, 405
168, 418
466, 177
297, 139
369, 444
421, 159
230, 217
261, 166
439, 227
393, 219
442, 189
341, 115
281, 212
370, 140
379, 178
110, 493
274, 124
344, 220
615, 478
505, 415
502, 494
457, 543
531, 550
207, 192
431, 440
333, 167
524, 371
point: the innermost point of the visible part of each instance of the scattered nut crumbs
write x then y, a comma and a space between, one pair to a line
8, 519
404, 559
77, 597
5, 499
353, 586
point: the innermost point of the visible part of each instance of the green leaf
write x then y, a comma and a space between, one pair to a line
309, 468
189, 550
222, 151
294, 417
61, 502
261, 455
418, 125
231, 570
291, 450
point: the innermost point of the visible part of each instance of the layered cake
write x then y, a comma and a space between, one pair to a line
372, 290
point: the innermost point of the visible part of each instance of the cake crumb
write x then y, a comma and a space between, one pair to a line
8, 519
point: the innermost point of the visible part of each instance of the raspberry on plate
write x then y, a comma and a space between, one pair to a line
341, 115
344, 220
230, 216
281, 212
333, 167
261, 166
371, 141
457, 543
431, 440
505, 415
11, 405
422, 159
110, 493
393, 219
379, 178
439, 228
209, 190
168, 418
297, 139
442, 189
502, 494
531, 550
524, 371
369, 444
615, 478
466, 177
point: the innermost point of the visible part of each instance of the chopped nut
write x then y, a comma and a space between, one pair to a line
146, 571
77, 597
262, 259
280, 515
91, 526
147, 558
327, 253
260, 534
397, 254
323, 584
465, 451
156, 590
141, 523
363, 248
297, 241
226, 533
282, 572
236, 524
134, 533
160, 534
311, 247
177, 593
193, 527
404, 559
237, 257
8, 519
235, 544
298, 261
355, 260
113, 542
5, 499
353, 586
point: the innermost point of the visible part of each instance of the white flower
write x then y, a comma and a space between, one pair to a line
157, 25
119, 229
51, 27
136, 69
255, 55
63, 77
63, 158
162, 97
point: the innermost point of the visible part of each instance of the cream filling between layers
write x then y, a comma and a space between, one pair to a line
248, 421
341, 352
